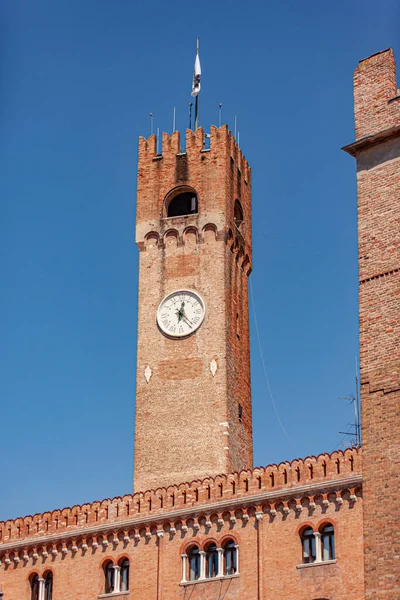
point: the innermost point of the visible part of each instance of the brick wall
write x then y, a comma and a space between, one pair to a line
377, 149
262, 514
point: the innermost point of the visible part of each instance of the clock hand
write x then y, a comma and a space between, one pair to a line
187, 320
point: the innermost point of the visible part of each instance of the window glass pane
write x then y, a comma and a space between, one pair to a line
109, 578
230, 558
194, 564
35, 588
48, 587
325, 548
124, 574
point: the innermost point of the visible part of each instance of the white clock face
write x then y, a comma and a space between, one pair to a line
180, 313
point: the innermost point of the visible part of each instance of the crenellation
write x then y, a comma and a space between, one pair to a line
183, 495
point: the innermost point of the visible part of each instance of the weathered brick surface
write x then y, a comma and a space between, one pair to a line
187, 423
377, 113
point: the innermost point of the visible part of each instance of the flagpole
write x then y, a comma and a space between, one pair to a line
196, 111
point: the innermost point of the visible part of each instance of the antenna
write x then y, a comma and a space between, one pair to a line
196, 106
220, 115
158, 142
238, 138
151, 123
357, 403
235, 127
174, 121
355, 425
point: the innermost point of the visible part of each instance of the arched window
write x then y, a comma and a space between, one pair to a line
194, 563
308, 545
328, 543
230, 558
109, 577
238, 216
35, 587
48, 586
184, 203
124, 575
211, 561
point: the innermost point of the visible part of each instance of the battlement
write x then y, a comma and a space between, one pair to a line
221, 144
376, 96
286, 476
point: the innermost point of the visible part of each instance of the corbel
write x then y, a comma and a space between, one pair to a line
7, 560
148, 534
95, 543
232, 519
208, 524
196, 526
272, 509
325, 501
220, 521
35, 554
74, 547
54, 551
104, 542
84, 545
339, 499
353, 497
311, 503
245, 517
115, 540
285, 508
298, 507
126, 537
259, 516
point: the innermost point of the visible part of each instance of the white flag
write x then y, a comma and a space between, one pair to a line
196, 76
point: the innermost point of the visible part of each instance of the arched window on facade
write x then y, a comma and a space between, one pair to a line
124, 575
327, 542
230, 558
308, 545
194, 563
48, 586
35, 587
183, 203
211, 561
238, 216
109, 577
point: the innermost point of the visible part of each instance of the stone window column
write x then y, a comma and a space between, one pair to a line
184, 565
41, 588
117, 578
220, 562
318, 554
202, 564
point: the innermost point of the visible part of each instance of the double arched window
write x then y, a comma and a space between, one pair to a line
318, 546
116, 577
42, 587
211, 562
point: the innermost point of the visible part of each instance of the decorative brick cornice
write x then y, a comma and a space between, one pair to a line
380, 275
264, 503
284, 480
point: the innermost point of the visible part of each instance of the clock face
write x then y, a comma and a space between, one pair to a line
180, 313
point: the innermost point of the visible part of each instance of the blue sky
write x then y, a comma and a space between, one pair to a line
77, 81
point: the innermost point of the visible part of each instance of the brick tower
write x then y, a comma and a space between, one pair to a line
377, 150
193, 230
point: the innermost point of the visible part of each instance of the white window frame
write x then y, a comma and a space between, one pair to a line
202, 577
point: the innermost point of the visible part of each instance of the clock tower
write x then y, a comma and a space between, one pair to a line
193, 230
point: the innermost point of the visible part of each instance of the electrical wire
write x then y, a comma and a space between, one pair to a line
265, 369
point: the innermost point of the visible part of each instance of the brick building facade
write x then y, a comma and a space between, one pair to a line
203, 523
